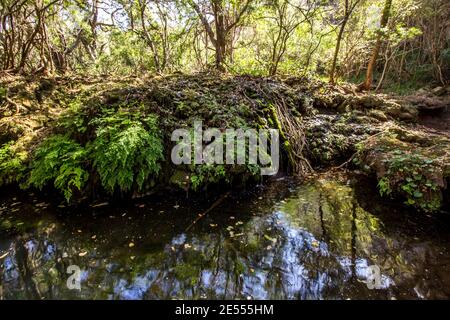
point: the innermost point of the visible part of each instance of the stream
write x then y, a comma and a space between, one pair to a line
286, 240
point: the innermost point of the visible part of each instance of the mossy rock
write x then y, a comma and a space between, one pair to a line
409, 165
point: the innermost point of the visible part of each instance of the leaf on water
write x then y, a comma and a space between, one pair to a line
131, 245
213, 225
94, 237
99, 204
83, 253
4, 255
315, 243
187, 246
176, 206
270, 238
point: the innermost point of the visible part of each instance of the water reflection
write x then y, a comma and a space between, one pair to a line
312, 241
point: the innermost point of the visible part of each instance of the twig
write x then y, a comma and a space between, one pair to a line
200, 216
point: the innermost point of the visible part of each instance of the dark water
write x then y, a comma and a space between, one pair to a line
284, 241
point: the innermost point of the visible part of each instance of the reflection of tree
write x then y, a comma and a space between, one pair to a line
24, 270
313, 245
353, 241
322, 222
1, 280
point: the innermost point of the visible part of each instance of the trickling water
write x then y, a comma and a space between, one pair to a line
287, 241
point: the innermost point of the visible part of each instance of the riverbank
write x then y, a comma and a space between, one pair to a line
103, 138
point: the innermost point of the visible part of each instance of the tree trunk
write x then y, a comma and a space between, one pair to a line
373, 59
220, 35
336, 51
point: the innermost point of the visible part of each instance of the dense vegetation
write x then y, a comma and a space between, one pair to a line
90, 91
387, 40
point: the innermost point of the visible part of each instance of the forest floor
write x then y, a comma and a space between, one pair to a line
68, 133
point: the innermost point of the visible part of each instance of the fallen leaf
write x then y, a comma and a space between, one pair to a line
315, 243
131, 244
99, 204
270, 238
4, 255
82, 254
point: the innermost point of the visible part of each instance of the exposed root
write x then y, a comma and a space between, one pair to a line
292, 132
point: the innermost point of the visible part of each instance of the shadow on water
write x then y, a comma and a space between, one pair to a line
314, 240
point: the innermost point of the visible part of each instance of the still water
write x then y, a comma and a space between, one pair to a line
286, 240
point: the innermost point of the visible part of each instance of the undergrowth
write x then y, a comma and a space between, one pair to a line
412, 174
12, 163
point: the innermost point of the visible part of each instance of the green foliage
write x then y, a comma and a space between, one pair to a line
384, 186
411, 174
61, 160
3, 92
207, 173
74, 121
126, 152
12, 164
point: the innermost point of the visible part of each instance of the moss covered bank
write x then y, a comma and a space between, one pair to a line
111, 137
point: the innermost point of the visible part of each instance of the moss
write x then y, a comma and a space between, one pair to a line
12, 163
121, 151
186, 272
407, 165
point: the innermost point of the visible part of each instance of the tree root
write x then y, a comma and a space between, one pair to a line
291, 132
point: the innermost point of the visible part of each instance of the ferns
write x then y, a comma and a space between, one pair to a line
12, 165
61, 160
125, 153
